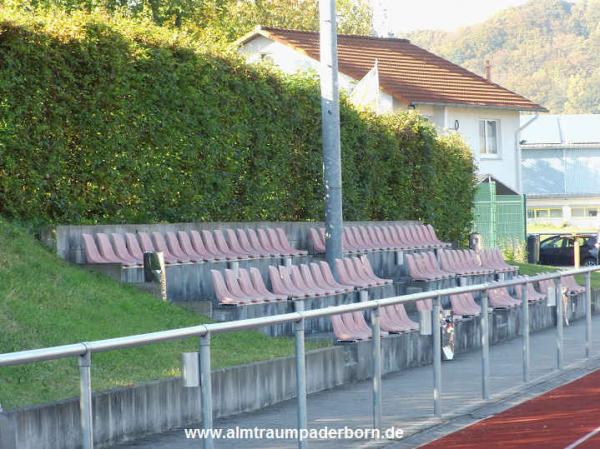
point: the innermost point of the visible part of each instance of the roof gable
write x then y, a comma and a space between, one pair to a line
407, 72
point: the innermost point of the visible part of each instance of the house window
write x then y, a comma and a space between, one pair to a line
488, 136
585, 212
552, 212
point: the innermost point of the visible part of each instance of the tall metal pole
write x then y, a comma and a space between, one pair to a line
206, 389
525, 320
330, 112
485, 347
377, 407
300, 376
588, 314
85, 401
559, 323
437, 357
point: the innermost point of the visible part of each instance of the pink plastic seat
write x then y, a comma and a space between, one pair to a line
211, 246
286, 244
393, 322
244, 242
300, 283
260, 287
236, 246
233, 285
247, 287
266, 243
222, 246
424, 305
277, 285
121, 250
133, 245
224, 296
312, 283
355, 276
106, 250
257, 243
532, 294
499, 298
415, 271
92, 255
573, 288
330, 279
318, 244
342, 333
187, 247
201, 249
355, 326
320, 281
176, 250
146, 244
368, 269
463, 304
161, 245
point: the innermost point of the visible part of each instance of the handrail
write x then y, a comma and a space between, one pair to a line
78, 349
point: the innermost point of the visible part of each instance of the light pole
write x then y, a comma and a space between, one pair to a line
330, 111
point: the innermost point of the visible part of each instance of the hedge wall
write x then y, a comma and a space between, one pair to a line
106, 120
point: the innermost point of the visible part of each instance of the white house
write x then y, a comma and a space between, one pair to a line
561, 169
484, 113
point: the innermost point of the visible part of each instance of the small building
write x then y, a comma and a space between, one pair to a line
561, 170
453, 98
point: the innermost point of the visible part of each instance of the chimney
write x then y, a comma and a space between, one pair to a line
488, 70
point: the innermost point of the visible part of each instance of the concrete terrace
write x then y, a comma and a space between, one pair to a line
407, 397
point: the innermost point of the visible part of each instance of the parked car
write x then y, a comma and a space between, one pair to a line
558, 250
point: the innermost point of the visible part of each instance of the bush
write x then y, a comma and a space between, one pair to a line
109, 120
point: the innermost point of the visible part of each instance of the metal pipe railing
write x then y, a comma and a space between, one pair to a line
204, 331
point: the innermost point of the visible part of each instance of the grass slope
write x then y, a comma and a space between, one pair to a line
45, 301
532, 270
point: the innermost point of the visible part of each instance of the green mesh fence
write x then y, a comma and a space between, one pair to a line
500, 219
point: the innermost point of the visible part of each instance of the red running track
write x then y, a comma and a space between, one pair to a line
566, 417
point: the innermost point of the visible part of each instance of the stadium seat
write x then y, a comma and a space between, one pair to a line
92, 255
463, 304
499, 298
161, 245
532, 294
106, 251
187, 247
224, 296
395, 320
121, 250
176, 250
573, 288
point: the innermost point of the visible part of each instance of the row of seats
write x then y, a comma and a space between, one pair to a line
188, 247
294, 282
361, 239
426, 266
352, 326
568, 283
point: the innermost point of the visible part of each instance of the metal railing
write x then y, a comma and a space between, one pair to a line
84, 350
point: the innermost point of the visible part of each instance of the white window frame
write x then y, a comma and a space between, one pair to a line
487, 154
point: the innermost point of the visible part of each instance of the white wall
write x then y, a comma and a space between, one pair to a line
503, 166
292, 61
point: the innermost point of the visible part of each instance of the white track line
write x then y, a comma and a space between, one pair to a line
584, 438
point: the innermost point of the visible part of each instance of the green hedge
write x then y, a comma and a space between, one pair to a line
107, 120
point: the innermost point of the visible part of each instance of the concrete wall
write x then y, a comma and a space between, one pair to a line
129, 413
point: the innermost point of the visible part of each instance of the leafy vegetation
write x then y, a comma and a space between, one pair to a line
546, 50
105, 119
222, 19
46, 301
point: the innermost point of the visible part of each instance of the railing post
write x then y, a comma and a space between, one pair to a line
85, 401
588, 314
376, 329
485, 347
300, 376
206, 389
437, 357
559, 323
525, 327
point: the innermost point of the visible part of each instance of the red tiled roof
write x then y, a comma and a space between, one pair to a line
409, 73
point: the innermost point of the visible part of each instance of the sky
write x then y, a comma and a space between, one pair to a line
448, 15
